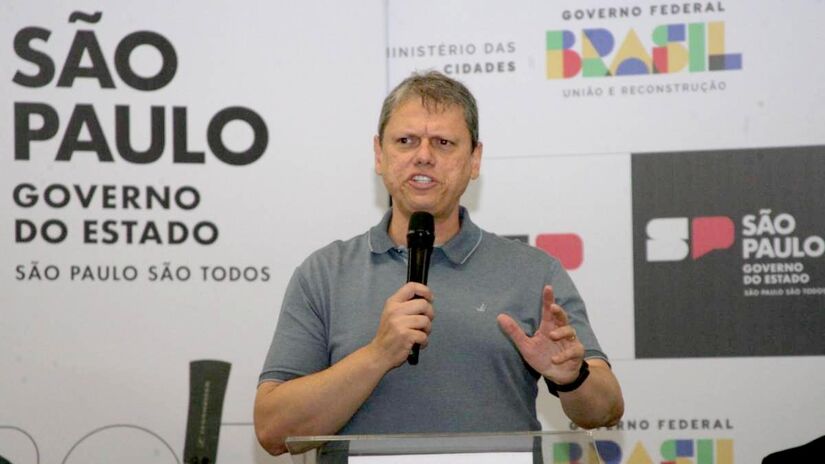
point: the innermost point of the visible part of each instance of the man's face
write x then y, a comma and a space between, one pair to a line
426, 158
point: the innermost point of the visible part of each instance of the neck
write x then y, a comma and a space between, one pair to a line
445, 227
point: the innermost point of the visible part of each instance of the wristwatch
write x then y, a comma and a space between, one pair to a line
555, 388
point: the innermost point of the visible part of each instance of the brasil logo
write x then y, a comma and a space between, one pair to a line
695, 47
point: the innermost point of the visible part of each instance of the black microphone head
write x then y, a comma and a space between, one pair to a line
421, 230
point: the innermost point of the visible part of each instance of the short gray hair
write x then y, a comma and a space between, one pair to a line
435, 90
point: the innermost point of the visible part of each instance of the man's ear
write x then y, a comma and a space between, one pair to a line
476, 161
376, 148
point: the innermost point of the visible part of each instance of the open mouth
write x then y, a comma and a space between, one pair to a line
422, 179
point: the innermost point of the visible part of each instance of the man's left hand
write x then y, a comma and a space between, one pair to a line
554, 350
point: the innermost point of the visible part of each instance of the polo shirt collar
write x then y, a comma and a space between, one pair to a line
458, 249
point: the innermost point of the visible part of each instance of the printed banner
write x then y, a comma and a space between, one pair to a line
164, 169
728, 253
598, 77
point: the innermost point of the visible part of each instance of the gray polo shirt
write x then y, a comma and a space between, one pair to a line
470, 378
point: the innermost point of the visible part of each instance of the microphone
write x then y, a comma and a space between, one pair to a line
420, 238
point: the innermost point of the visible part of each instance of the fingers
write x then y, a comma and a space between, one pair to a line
554, 347
413, 314
574, 351
551, 312
421, 338
512, 329
568, 341
406, 320
566, 338
411, 290
421, 322
412, 298
547, 296
564, 333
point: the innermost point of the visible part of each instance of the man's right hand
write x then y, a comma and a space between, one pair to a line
323, 402
405, 321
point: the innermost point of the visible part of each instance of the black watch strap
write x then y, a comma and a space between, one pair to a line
555, 388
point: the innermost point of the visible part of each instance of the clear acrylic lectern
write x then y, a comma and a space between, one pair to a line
476, 448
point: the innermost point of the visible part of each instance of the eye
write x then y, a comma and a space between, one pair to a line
443, 143
407, 141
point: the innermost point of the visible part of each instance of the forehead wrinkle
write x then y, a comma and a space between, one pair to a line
429, 127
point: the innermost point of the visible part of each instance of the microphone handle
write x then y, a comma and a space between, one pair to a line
417, 270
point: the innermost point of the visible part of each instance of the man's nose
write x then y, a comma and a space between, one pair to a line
424, 154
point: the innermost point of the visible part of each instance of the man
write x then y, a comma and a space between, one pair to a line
338, 359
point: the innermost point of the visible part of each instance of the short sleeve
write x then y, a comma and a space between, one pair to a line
299, 346
567, 296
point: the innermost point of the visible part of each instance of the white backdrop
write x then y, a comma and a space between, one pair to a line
83, 355
560, 149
